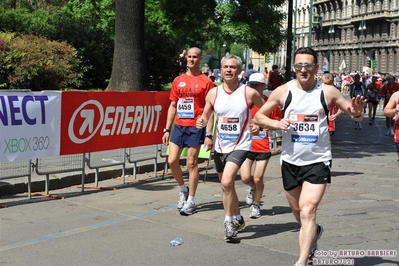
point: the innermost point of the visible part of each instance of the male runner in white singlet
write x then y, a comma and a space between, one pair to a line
231, 102
306, 149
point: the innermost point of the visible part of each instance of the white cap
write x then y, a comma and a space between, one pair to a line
257, 78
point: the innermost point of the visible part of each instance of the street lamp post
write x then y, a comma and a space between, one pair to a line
331, 32
310, 23
302, 39
362, 27
294, 33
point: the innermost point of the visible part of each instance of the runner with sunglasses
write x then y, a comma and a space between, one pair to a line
306, 148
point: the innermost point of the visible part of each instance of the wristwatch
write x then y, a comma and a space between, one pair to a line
165, 130
209, 136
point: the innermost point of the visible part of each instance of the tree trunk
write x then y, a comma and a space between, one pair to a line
129, 70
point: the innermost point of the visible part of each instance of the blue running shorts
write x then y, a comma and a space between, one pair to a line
184, 136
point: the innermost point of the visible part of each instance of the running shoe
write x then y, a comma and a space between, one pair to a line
183, 196
230, 230
315, 247
388, 132
250, 196
188, 208
255, 211
391, 131
298, 264
239, 224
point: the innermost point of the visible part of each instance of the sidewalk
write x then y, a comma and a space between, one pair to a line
134, 224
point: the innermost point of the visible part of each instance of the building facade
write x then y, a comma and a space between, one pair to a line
353, 36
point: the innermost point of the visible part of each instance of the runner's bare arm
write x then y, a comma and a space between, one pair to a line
203, 119
354, 108
276, 99
169, 121
392, 106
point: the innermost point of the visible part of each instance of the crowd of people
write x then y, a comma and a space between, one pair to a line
377, 89
304, 109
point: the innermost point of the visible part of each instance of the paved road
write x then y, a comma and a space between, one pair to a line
134, 224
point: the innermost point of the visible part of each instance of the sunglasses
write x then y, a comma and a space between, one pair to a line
306, 66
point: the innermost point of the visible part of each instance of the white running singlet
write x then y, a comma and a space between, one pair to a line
232, 120
307, 141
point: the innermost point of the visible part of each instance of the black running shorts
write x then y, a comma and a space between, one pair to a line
317, 173
237, 157
259, 156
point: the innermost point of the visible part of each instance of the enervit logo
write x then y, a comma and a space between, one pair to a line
91, 119
88, 122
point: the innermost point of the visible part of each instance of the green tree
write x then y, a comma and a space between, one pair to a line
170, 27
129, 70
253, 23
162, 62
35, 63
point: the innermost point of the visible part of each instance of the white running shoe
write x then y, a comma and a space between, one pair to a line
183, 196
255, 211
188, 208
250, 196
231, 230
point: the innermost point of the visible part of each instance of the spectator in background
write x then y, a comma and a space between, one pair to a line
249, 72
373, 90
380, 81
365, 80
206, 70
241, 77
338, 81
357, 88
347, 81
293, 74
334, 111
275, 78
183, 61
216, 74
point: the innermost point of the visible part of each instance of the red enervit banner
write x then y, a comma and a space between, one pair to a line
106, 120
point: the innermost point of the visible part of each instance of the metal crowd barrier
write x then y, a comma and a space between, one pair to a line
78, 162
17, 169
94, 160
275, 137
60, 164
97, 160
131, 158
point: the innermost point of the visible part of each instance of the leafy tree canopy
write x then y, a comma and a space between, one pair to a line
253, 23
216, 26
